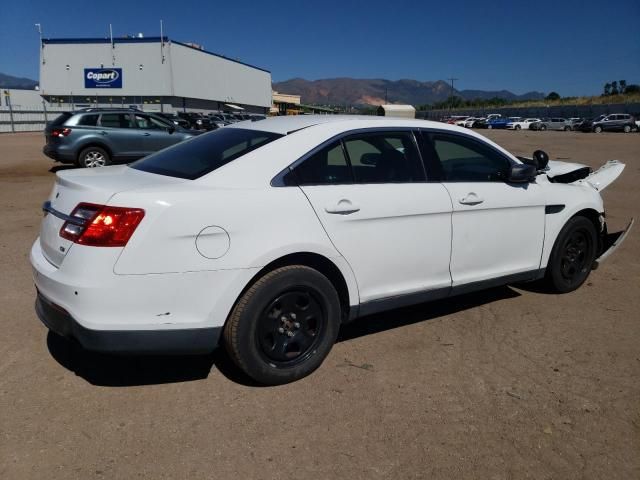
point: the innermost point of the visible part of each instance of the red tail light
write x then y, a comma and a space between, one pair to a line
60, 132
100, 225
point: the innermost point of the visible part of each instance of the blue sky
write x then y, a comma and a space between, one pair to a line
572, 47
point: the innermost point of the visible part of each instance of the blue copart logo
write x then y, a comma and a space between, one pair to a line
103, 78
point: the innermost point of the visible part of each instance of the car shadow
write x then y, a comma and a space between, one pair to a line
423, 312
107, 370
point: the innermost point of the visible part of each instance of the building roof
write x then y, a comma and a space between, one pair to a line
67, 41
398, 108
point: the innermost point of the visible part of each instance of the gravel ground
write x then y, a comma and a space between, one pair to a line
506, 383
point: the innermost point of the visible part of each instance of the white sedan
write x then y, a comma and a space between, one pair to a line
266, 236
522, 124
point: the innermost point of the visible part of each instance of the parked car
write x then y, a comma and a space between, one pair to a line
175, 119
197, 121
469, 122
501, 122
574, 122
521, 123
617, 122
551, 124
461, 121
95, 137
480, 123
217, 120
178, 251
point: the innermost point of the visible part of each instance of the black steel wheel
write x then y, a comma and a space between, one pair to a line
572, 256
284, 325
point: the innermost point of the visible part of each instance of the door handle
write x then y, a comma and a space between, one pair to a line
343, 207
146, 134
471, 199
102, 132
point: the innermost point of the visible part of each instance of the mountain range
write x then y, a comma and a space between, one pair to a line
357, 91
353, 91
8, 81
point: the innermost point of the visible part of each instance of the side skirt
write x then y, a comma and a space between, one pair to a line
391, 303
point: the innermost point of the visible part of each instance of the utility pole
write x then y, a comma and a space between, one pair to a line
451, 94
386, 91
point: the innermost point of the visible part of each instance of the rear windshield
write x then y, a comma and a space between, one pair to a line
205, 153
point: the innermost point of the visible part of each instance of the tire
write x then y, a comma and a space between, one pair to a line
543, 128
573, 254
283, 327
626, 129
93, 157
598, 129
567, 128
518, 127
489, 127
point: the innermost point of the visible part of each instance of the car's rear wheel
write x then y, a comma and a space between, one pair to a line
92, 157
284, 325
597, 129
627, 128
567, 128
572, 256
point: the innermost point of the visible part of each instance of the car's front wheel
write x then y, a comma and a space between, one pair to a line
598, 129
543, 127
572, 256
627, 128
518, 127
93, 157
284, 325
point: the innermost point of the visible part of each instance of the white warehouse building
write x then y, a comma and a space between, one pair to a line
153, 73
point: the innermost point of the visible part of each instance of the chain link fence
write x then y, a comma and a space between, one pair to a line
24, 119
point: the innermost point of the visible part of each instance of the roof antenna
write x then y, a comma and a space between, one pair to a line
113, 48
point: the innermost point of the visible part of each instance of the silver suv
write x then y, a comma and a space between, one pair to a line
95, 137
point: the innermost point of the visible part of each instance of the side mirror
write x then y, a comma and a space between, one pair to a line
522, 173
171, 129
541, 158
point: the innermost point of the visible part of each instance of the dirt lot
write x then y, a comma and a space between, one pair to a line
508, 383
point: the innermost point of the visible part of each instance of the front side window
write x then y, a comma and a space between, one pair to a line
384, 158
203, 154
329, 166
146, 122
466, 160
116, 120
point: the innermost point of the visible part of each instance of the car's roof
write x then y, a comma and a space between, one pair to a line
292, 123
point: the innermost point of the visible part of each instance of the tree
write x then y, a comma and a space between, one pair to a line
632, 88
623, 86
614, 88
607, 89
553, 96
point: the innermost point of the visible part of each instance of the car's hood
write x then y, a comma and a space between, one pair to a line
578, 173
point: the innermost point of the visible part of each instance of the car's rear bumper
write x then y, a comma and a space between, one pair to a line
178, 341
53, 152
153, 313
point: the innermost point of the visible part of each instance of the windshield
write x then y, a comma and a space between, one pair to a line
203, 154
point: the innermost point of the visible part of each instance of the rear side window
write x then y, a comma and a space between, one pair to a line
384, 158
329, 166
88, 120
205, 153
60, 119
116, 120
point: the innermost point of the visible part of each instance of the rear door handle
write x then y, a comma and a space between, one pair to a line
343, 207
146, 134
102, 132
471, 199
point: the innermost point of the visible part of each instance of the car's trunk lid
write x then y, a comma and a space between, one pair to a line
91, 186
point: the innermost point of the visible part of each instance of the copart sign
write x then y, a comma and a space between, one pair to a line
102, 78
